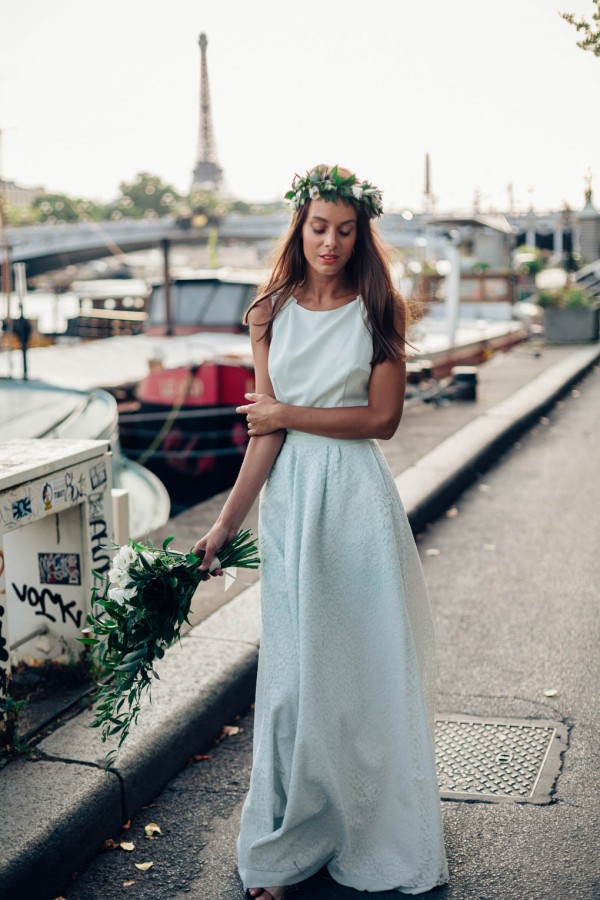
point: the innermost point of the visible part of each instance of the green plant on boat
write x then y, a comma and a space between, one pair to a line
567, 298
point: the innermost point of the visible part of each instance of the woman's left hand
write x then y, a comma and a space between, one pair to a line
261, 414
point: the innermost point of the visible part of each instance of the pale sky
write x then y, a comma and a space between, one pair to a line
495, 90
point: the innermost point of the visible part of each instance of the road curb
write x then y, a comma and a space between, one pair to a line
52, 826
205, 681
429, 486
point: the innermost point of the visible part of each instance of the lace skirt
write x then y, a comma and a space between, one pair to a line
343, 770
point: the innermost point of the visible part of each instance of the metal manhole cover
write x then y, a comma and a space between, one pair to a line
498, 759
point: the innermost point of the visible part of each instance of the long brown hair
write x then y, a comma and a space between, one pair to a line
368, 268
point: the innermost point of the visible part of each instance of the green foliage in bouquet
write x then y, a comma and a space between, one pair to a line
139, 609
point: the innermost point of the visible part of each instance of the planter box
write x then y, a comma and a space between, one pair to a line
571, 326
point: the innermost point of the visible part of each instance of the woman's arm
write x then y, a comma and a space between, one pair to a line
378, 419
260, 455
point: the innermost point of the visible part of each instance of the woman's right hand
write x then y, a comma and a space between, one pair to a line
208, 546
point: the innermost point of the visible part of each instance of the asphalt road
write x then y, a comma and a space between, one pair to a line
514, 579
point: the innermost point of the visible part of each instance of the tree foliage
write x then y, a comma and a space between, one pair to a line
62, 208
147, 196
591, 30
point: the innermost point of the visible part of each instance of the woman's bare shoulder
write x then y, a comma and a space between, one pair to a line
260, 312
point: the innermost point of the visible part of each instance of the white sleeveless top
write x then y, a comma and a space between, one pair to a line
321, 358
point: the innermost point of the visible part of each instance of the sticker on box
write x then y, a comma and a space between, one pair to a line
59, 568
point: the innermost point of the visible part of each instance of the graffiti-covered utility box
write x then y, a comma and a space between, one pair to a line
55, 523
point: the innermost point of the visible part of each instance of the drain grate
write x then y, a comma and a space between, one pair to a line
498, 759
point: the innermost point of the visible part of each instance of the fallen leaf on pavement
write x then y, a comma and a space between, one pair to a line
109, 844
544, 420
551, 692
128, 883
152, 828
127, 825
452, 512
127, 845
143, 867
484, 487
200, 756
432, 551
228, 730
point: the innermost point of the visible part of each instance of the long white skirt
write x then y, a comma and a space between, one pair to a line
344, 769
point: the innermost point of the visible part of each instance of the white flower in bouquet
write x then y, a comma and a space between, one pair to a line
123, 558
121, 595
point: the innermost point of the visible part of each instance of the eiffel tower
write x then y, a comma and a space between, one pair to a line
208, 174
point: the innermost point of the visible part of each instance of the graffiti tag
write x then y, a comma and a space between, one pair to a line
73, 490
40, 601
101, 556
4, 654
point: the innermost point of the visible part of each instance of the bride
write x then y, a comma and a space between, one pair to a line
343, 773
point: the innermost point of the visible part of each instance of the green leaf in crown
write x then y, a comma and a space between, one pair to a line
332, 187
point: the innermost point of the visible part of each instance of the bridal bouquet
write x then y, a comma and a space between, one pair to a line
139, 609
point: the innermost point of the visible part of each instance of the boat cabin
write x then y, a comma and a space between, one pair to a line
211, 301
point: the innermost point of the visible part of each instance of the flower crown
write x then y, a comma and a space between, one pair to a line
362, 195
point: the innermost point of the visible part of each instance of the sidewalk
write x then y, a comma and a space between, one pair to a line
57, 808
513, 576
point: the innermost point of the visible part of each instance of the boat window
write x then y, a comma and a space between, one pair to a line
221, 304
201, 303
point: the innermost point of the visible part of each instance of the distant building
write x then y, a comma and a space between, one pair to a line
486, 239
561, 232
589, 230
552, 231
18, 196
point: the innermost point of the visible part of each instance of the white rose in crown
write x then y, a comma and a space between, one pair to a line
357, 192
314, 193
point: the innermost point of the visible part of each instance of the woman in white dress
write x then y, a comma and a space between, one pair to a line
343, 771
